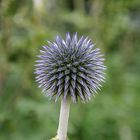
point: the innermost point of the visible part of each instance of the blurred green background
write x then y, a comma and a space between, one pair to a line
114, 25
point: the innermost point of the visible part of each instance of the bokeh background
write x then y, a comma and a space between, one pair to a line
114, 25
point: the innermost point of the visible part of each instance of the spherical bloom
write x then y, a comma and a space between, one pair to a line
70, 67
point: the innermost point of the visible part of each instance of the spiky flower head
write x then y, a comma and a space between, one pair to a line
70, 67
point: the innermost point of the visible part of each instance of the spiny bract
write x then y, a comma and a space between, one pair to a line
70, 67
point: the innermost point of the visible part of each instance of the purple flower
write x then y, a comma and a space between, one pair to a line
70, 67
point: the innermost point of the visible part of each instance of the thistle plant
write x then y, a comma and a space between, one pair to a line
72, 69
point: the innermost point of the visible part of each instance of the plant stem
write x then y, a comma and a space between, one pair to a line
63, 120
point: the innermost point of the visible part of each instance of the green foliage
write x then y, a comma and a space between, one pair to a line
25, 25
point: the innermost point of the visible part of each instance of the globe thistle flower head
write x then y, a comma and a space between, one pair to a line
70, 67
